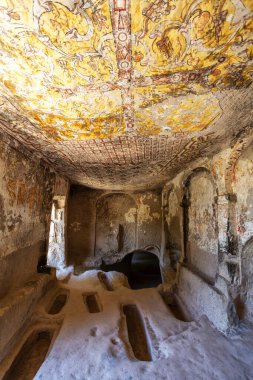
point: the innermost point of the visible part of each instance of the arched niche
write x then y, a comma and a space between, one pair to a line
152, 249
116, 217
56, 256
200, 223
242, 186
247, 280
172, 229
171, 242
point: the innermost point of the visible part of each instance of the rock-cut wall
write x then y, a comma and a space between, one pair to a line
208, 235
26, 190
108, 225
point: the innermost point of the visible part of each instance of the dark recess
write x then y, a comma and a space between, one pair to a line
141, 268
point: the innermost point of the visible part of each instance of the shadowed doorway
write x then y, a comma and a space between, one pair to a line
141, 268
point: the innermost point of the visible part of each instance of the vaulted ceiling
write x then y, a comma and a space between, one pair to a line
123, 94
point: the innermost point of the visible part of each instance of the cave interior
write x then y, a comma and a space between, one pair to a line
126, 192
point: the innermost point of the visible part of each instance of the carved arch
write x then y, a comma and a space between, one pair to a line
200, 224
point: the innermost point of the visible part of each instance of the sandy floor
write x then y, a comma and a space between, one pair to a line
94, 346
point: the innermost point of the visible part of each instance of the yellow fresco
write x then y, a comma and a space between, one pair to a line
248, 3
174, 36
59, 64
158, 110
47, 62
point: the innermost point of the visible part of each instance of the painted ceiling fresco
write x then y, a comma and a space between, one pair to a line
90, 85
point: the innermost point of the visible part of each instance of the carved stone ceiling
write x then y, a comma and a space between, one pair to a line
121, 94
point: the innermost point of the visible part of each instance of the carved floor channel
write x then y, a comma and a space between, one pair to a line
120, 334
30, 357
92, 302
58, 304
137, 333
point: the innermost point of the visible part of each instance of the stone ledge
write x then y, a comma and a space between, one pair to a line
201, 298
17, 308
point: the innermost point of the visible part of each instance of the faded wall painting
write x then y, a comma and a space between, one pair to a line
243, 186
202, 244
116, 223
173, 229
247, 280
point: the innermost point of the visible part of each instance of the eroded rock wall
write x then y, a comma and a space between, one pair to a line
26, 191
207, 235
108, 225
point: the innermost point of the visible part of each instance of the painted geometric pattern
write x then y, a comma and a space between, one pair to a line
79, 70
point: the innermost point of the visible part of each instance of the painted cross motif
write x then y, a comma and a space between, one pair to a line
121, 23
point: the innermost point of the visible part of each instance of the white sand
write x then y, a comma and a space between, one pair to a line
95, 346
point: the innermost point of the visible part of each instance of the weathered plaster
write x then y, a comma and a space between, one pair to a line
130, 216
202, 242
219, 205
26, 191
243, 187
114, 234
144, 209
246, 290
108, 225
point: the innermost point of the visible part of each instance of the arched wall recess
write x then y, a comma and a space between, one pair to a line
172, 230
247, 280
56, 256
239, 188
232, 236
116, 223
152, 249
200, 226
